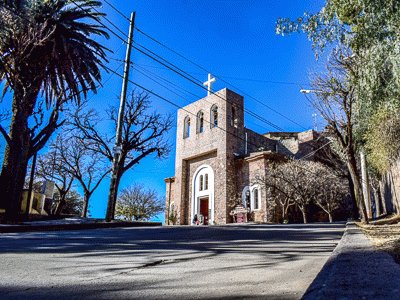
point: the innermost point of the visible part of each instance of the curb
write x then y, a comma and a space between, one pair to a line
78, 226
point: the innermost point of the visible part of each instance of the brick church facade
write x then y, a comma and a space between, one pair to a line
218, 160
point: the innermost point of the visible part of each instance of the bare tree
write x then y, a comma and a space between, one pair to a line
300, 183
50, 167
143, 133
73, 203
86, 166
335, 101
137, 203
330, 190
278, 192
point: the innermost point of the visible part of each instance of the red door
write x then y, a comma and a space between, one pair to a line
204, 209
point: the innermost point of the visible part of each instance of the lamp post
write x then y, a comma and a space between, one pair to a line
306, 91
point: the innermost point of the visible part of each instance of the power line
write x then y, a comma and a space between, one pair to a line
159, 59
180, 107
203, 87
219, 77
191, 113
176, 105
117, 10
168, 81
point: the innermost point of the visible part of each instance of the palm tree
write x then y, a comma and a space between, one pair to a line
47, 56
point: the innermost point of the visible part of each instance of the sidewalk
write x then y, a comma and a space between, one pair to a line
74, 223
356, 270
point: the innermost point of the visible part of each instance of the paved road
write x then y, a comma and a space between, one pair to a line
231, 262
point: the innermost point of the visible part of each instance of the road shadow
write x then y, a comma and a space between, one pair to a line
105, 253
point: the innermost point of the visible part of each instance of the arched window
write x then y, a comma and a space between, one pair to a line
246, 197
256, 199
186, 127
201, 183
206, 182
214, 116
234, 120
200, 122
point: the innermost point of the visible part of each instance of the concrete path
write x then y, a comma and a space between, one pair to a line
216, 262
356, 270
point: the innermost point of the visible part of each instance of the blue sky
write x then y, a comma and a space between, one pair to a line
234, 40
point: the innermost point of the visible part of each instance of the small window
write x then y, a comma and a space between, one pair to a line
206, 182
200, 122
201, 183
186, 127
246, 197
214, 116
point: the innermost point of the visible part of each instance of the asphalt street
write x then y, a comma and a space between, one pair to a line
216, 262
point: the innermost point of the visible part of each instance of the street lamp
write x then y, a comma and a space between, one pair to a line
305, 91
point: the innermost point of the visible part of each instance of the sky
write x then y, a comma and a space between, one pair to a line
234, 40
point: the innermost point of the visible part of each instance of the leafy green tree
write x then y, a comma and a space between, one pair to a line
47, 52
371, 29
138, 204
382, 138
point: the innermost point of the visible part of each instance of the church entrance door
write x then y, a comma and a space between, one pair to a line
202, 204
204, 210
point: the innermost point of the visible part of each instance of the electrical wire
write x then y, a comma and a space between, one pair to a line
220, 77
176, 69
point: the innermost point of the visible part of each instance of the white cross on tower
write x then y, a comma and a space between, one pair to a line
208, 84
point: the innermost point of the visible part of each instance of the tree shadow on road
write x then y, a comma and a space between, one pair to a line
95, 256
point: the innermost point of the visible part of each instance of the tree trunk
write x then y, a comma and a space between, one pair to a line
382, 197
62, 203
352, 167
355, 213
86, 198
284, 214
117, 182
15, 162
330, 217
303, 211
377, 201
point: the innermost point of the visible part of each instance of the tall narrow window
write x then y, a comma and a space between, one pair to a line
200, 122
214, 116
256, 200
186, 127
201, 183
234, 120
206, 182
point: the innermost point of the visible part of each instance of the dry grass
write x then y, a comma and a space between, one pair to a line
385, 234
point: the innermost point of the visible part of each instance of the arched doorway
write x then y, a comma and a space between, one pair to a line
203, 194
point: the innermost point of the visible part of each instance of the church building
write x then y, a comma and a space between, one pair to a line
218, 160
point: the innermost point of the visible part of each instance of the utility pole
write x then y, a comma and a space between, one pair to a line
112, 196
